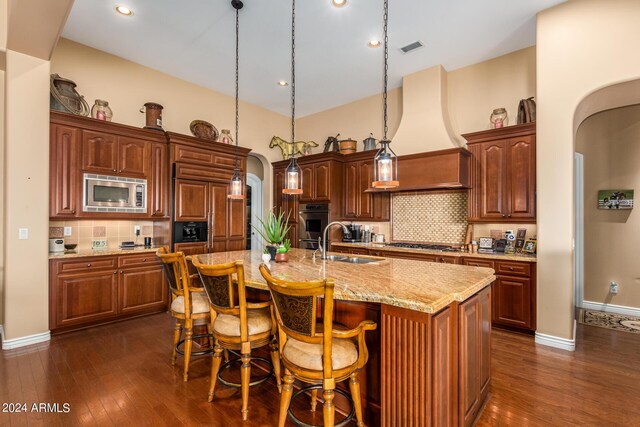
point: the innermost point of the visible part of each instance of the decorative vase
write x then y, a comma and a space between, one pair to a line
225, 136
153, 117
64, 97
266, 258
348, 146
101, 110
282, 257
272, 251
499, 118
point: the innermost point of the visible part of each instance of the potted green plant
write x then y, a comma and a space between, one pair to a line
282, 254
274, 231
266, 257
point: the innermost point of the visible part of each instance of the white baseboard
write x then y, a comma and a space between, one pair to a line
558, 342
611, 308
24, 341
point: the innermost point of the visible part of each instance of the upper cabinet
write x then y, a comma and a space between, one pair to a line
503, 174
360, 204
316, 182
84, 145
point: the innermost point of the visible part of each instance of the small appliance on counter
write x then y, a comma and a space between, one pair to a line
56, 245
355, 234
486, 245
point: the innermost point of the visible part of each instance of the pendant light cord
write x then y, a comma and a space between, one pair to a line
293, 77
237, 83
386, 67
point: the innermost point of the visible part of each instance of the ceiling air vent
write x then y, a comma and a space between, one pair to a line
411, 46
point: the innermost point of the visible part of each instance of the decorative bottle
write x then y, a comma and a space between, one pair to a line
101, 110
499, 118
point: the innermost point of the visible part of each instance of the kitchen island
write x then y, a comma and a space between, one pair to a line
429, 360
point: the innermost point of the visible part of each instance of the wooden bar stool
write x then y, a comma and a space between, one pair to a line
237, 325
189, 306
318, 355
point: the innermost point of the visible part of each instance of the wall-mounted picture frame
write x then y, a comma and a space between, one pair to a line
615, 199
529, 247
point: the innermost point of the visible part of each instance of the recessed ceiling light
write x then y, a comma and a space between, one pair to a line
374, 43
339, 3
283, 83
124, 10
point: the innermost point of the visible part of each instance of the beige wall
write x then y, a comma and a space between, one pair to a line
581, 46
255, 166
610, 142
2, 129
471, 94
26, 170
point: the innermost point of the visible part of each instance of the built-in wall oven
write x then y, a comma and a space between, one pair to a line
312, 220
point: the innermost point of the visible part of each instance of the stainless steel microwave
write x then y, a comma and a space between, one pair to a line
114, 194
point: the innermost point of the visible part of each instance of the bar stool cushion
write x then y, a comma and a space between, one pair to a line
199, 303
309, 356
258, 320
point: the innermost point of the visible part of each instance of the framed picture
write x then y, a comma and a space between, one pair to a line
522, 232
615, 199
529, 247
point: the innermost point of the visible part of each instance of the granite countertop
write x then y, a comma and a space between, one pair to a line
79, 253
416, 285
379, 246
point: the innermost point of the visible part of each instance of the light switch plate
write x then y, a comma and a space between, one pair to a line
23, 234
67, 231
99, 244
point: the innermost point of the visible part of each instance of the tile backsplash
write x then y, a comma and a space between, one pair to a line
116, 232
433, 217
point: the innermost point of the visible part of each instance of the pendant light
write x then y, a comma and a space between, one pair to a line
385, 163
236, 187
293, 177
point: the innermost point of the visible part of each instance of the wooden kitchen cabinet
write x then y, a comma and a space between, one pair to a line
114, 155
474, 355
192, 248
358, 203
316, 182
159, 200
64, 168
503, 174
191, 200
92, 290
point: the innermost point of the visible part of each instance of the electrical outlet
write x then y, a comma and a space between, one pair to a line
613, 288
23, 234
136, 229
67, 231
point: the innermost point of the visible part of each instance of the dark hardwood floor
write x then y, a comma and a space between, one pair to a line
120, 374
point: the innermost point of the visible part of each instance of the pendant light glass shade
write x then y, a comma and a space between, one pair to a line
293, 179
385, 168
236, 186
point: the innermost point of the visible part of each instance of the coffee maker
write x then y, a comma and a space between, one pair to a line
355, 234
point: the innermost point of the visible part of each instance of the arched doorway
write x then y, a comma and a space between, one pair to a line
254, 210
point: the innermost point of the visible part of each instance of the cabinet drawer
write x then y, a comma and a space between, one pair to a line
141, 260
513, 268
87, 264
475, 262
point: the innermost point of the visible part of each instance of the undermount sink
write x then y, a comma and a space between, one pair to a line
352, 260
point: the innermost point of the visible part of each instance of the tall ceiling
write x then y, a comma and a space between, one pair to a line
195, 40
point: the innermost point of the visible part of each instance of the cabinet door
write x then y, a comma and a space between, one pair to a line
236, 219
469, 364
219, 209
512, 301
159, 181
85, 297
494, 169
192, 248
64, 183
484, 352
322, 182
142, 290
99, 152
351, 190
521, 178
282, 202
133, 157
365, 178
191, 200
308, 193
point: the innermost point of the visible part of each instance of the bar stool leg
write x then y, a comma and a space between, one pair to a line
314, 399
188, 343
285, 397
354, 386
245, 376
215, 368
177, 332
328, 409
275, 360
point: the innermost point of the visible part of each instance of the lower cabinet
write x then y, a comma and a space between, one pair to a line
92, 290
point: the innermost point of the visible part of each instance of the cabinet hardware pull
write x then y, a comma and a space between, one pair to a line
89, 265
121, 271
511, 268
115, 272
509, 215
115, 170
144, 260
73, 211
503, 215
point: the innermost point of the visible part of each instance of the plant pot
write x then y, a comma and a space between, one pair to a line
266, 258
272, 251
282, 257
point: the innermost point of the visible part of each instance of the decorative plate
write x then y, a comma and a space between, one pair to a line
203, 130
